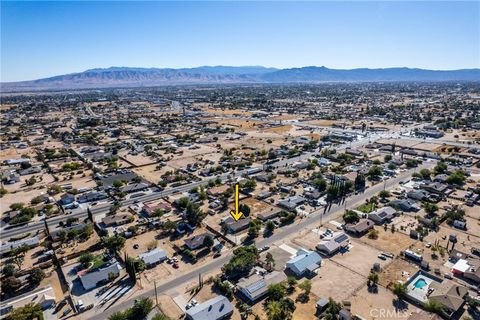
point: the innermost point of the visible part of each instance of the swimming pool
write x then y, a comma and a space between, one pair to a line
420, 283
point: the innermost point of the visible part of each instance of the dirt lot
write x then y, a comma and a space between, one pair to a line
256, 205
72, 247
169, 307
151, 174
368, 305
240, 124
388, 241
336, 281
280, 129
360, 258
326, 123
137, 160
398, 270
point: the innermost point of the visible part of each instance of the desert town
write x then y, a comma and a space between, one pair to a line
357, 201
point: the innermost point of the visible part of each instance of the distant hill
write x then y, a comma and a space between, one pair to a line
141, 77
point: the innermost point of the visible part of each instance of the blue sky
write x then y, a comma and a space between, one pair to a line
40, 39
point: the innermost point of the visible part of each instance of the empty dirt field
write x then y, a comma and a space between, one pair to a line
240, 124
397, 270
388, 241
325, 123
359, 258
369, 304
336, 281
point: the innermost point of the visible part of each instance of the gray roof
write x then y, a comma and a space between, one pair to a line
213, 309
153, 256
91, 278
255, 286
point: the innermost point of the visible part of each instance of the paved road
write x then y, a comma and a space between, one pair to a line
311, 221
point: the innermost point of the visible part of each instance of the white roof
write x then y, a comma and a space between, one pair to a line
461, 265
153, 256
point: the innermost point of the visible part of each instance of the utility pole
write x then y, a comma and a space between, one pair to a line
156, 296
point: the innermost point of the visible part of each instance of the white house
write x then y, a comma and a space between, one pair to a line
153, 257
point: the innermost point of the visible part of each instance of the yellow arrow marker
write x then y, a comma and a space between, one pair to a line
236, 214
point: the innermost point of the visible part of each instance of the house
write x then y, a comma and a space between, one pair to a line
406, 205
305, 263
92, 196
268, 214
292, 202
254, 287
359, 228
44, 296
153, 257
473, 273
435, 187
382, 215
31, 170
215, 191
134, 187
197, 242
66, 199
450, 295
334, 244
233, 226
420, 195
9, 246
460, 267
90, 278
216, 308
117, 219
149, 209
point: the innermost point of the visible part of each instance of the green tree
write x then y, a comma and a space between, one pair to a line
434, 306
28, 312
276, 291
374, 172
270, 261
36, 276
194, 214
269, 226
430, 208
351, 216
425, 173
384, 194
86, 258
114, 243
243, 260
8, 270
400, 290
306, 286
373, 279
441, 167
16, 206
208, 241
10, 285
333, 309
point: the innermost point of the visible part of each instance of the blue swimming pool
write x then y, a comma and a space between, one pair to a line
420, 283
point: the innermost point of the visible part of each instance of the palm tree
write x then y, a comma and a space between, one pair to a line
400, 290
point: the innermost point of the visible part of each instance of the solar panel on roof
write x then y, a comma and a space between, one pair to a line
256, 286
341, 238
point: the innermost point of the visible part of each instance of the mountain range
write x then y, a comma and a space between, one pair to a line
146, 77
